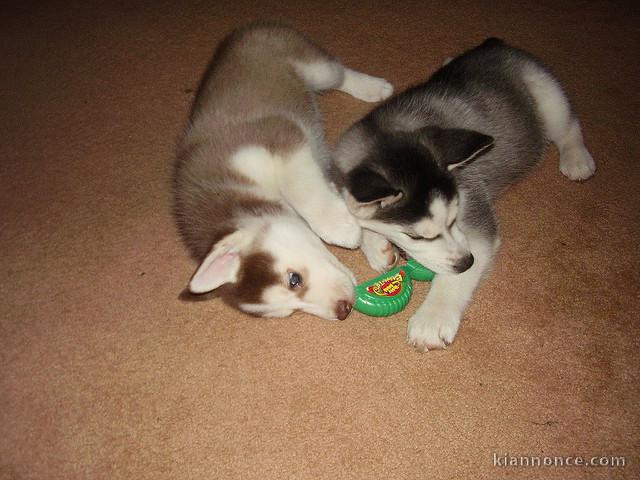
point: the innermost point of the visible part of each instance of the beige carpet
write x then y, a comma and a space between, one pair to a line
105, 374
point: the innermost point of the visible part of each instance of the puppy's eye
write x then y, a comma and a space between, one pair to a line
295, 280
415, 237
418, 237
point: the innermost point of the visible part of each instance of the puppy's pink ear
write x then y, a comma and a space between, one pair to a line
215, 270
221, 265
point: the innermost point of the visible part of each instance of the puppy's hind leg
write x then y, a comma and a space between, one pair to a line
561, 125
576, 163
365, 87
328, 74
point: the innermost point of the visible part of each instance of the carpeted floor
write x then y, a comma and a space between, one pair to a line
105, 374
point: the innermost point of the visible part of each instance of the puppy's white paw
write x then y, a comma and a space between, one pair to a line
577, 163
345, 233
377, 89
374, 89
339, 227
380, 253
366, 87
433, 327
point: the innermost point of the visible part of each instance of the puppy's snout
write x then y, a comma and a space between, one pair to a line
343, 309
464, 264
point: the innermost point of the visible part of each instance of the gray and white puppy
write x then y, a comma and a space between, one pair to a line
423, 169
252, 196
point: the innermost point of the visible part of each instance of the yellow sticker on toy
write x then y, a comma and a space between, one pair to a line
388, 287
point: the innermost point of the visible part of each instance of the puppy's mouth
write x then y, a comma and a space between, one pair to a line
435, 267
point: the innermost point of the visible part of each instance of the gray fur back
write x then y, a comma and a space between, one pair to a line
481, 90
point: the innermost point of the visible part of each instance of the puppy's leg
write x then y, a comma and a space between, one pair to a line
561, 125
332, 75
436, 322
304, 187
380, 252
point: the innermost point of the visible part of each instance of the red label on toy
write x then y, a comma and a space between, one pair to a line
388, 287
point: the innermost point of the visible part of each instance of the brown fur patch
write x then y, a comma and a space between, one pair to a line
277, 134
252, 68
255, 275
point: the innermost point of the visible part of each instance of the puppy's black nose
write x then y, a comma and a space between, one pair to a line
464, 264
343, 309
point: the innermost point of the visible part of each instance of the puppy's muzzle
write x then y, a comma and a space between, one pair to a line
464, 264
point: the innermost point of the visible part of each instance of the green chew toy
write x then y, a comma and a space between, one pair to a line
389, 293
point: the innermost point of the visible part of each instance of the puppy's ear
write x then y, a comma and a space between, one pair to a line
221, 264
456, 146
369, 187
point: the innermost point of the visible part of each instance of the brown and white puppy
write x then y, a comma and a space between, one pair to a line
251, 189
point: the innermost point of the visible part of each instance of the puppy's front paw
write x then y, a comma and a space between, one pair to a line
339, 227
433, 327
380, 253
346, 233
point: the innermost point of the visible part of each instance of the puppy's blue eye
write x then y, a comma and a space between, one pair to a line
295, 280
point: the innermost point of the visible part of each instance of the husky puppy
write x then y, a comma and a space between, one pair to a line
423, 169
250, 182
